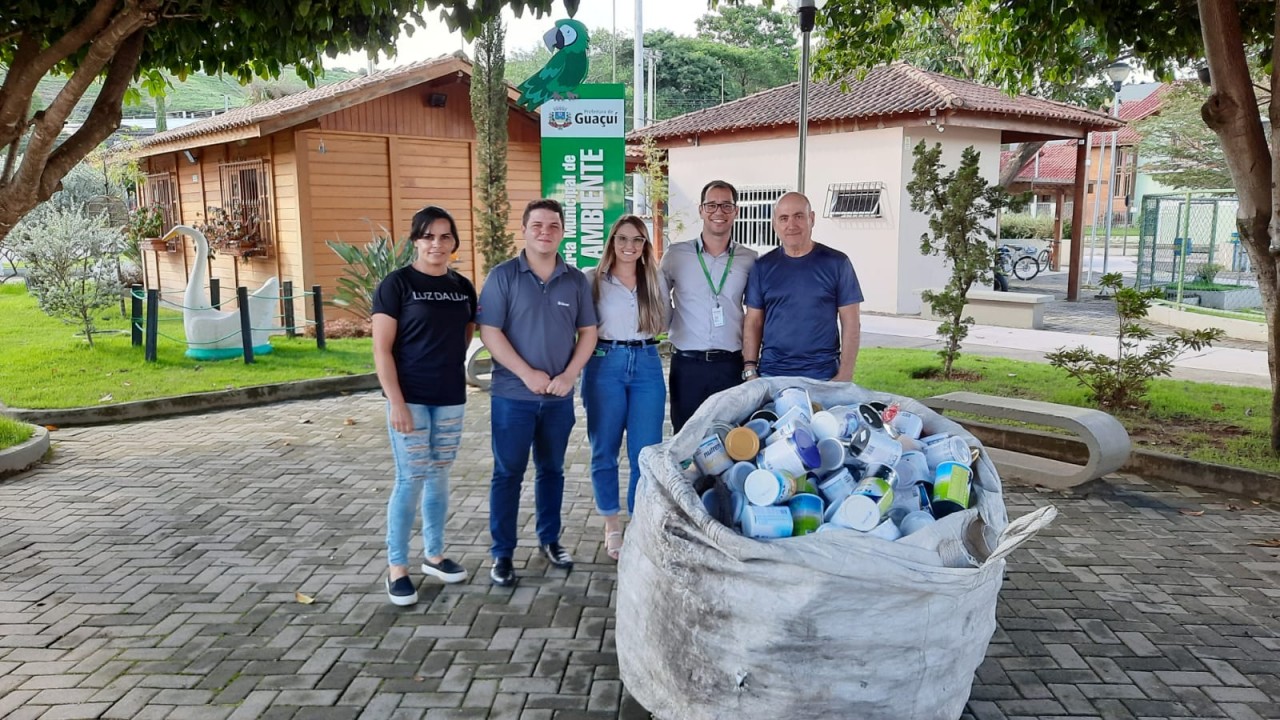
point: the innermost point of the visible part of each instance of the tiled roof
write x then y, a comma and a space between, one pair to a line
253, 114
898, 89
1057, 165
1131, 112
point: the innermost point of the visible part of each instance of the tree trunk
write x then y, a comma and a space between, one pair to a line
1021, 157
1232, 113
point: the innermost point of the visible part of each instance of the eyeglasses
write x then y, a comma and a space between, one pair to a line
724, 207
624, 240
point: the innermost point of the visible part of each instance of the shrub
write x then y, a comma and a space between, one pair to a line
1121, 382
959, 204
72, 264
366, 266
1016, 226
1207, 273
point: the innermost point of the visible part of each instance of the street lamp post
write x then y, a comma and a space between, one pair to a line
808, 11
1117, 73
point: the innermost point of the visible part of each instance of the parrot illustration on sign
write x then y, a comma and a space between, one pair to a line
566, 69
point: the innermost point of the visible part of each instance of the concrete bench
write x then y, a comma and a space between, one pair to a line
1102, 434
1005, 309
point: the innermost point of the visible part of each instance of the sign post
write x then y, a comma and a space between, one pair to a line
583, 166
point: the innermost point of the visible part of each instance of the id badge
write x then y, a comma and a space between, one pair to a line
717, 316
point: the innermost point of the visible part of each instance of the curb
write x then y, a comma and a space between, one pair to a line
25, 455
196, 402
1238, 482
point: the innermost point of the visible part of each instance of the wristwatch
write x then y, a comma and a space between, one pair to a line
749, 370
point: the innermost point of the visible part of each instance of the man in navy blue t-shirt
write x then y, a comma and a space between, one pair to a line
795, 295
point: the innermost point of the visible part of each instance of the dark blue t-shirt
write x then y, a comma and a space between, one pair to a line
801, 298
430, 350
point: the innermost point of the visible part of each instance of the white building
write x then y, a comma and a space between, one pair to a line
858, 163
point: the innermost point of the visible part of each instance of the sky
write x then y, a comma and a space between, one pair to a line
524, 33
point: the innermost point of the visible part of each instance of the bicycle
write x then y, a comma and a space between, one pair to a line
1023, 266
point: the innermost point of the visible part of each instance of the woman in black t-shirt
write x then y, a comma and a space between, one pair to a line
423, 320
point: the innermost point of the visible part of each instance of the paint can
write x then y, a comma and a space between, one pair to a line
764, 523
886, 530
806, 513
806, 446
788, 422
736, 478
832, 453
711, 503
737, 505
912, 468
874, 448
908, 424
711, 456
765, 413
837, 486
793, 397
952, 449
769, 487
761, 427
950, 488
856, 512
915, 522
869, 416
741, 443
782, 457
720, 429
879, 487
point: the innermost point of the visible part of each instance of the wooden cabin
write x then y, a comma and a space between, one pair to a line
338, 162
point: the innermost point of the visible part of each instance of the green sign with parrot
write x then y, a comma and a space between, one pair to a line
583, 150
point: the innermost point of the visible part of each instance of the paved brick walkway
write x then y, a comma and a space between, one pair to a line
150, 572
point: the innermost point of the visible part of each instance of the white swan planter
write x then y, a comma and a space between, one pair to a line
214, 334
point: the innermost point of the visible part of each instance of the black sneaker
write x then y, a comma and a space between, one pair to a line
401, 591
557, 555
502, 574
447, 570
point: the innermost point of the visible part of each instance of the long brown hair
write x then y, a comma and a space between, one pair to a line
648, 291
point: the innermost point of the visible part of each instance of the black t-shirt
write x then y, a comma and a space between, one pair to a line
430, 348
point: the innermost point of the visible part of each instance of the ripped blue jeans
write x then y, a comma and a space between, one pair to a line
423, 459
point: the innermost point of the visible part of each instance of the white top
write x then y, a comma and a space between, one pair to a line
619, 309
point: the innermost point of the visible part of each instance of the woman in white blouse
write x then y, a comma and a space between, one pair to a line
622, 385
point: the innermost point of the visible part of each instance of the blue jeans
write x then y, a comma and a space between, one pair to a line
423, 458
518, 425
621, 390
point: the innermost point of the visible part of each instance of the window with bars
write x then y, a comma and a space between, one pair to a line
246, 196
754, 226
854, 200
161, 189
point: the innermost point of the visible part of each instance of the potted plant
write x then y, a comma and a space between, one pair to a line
233, 233
144, 226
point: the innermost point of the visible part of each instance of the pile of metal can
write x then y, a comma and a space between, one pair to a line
794, 468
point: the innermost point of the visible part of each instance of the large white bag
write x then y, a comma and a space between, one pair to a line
711, 624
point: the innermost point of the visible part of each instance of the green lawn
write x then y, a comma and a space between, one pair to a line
13, 432
43, 364
1203, 421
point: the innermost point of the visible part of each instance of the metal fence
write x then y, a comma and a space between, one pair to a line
1187, 242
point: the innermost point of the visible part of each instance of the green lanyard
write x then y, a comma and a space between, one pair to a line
715, 290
